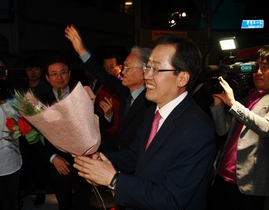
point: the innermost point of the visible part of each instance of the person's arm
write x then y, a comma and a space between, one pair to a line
91, 65
72, 34
257, 122
52, 157
222, 120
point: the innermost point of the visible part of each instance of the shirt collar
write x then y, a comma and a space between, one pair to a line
258, 93
169, 107
136, 93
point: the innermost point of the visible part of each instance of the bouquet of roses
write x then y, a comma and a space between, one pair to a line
21, 127
70, 124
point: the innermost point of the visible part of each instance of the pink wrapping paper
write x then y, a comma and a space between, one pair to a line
70, 124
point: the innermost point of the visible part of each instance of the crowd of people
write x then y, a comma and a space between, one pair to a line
158, 145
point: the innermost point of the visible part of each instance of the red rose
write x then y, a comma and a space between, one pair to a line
24, 126
10, 123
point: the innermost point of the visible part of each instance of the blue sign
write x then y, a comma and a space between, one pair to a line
252, 24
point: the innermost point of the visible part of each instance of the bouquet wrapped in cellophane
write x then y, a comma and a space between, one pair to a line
70, 124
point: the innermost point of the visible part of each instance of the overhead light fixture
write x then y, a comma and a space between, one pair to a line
172, 23
175, 17
228, 43
128, 3
183, 14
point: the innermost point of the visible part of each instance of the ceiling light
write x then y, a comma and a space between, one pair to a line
228, 43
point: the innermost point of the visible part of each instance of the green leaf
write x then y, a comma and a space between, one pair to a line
34, 136
60, 93
31, 137
16, 134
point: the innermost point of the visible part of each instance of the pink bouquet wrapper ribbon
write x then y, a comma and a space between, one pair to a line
70, 124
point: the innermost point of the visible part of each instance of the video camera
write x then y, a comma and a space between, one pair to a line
238, 76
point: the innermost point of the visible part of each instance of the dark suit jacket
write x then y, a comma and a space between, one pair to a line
50, 99
174, 171
129, 123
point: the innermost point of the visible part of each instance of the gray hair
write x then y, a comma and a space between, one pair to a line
144, 53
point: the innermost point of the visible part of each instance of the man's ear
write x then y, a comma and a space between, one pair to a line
183, 78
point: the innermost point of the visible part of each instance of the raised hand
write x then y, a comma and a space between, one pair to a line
72, 34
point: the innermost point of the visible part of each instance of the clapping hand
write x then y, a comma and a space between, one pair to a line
95, 169
107, 105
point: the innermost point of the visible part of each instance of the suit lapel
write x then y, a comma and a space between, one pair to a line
162, 135
137, 104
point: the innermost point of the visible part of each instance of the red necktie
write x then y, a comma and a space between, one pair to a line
154, 128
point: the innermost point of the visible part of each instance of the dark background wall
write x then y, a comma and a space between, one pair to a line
37, 26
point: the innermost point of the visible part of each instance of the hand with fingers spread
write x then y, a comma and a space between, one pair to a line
107, 105
227, 96
61, 165
73, 35
99, 171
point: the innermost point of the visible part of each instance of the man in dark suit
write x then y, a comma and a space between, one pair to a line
72, 192
131, 83
171, 172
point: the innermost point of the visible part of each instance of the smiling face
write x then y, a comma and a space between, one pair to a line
164, 86
58, 75
261, 77
133, 72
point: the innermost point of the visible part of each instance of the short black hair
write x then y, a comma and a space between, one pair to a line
187, 56
33, 61
262, 54
56, 59
111, 56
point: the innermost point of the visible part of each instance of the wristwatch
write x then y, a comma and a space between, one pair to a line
113, 182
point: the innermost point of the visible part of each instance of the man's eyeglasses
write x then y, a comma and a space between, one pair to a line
155, 70
56, 74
